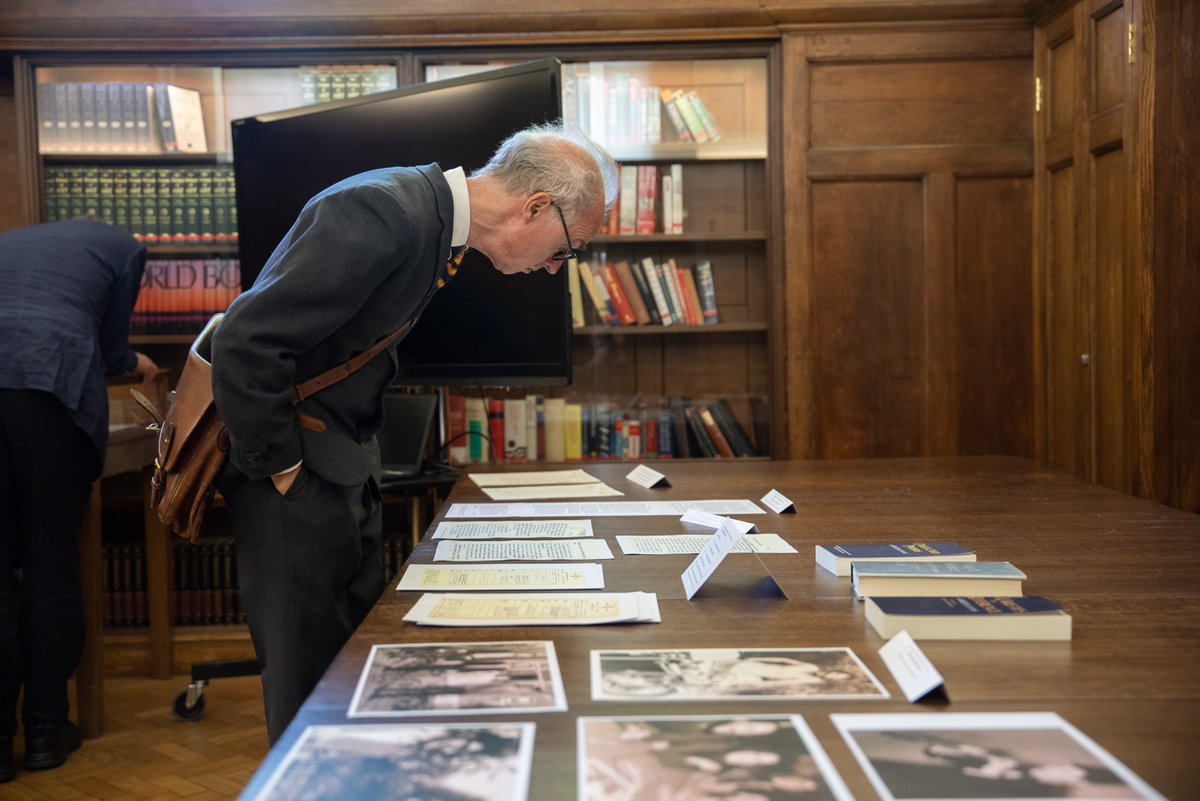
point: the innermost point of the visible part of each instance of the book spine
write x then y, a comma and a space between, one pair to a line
495, 417
729, 425
643, 288
555, 424
706, 289
654, 282
714, 433
616, 292
588, 279
680, 100
628, 200
573, 431
575, 289
647, 189
682, 132
166, 125
671, 283
632, 292
703, 442
702, 114
515, 431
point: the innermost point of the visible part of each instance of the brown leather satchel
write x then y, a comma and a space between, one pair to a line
193, 443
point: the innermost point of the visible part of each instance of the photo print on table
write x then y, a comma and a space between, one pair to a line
412, 761
694, 674
703, 757
459, 679
985, 755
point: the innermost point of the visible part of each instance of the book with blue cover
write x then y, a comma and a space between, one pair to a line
940, 579
969, 618
837, 558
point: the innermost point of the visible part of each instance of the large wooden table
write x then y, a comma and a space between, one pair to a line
1128, 570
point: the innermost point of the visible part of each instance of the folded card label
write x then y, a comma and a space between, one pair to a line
911, 669
647, 477
777, 502
708, 559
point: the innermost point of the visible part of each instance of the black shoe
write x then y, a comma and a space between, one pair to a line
47, 745
8, 770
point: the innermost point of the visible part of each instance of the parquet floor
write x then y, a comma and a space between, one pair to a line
146, 754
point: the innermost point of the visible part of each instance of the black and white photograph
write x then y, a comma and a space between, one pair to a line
414, 762
692, 674
1016, 755
704, 758
459, 679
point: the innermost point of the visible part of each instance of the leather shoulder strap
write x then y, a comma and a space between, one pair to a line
348, 367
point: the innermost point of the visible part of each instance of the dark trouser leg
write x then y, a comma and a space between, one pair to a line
48, 464
309, 568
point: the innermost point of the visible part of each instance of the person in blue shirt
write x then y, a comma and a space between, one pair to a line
67, 291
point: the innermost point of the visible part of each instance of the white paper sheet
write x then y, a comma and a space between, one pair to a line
694, 543
550, 491
521, 550
460, 511
513, 530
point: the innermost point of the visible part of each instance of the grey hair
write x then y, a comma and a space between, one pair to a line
559, 160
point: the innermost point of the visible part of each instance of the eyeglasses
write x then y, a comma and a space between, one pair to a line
569, 252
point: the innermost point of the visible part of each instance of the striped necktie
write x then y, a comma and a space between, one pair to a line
451, 267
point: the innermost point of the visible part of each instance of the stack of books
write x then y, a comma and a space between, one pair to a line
940, 592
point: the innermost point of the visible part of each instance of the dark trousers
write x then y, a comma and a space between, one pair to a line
46, 469
310, 567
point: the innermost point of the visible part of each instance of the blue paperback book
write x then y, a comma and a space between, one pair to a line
937, 579
965, 618
837, 558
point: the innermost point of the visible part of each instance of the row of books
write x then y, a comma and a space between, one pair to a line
155, 204
643, 292
617, 108
323, 83
537, 428
939, 591
204, 590
124, 117
650, 201
178, 296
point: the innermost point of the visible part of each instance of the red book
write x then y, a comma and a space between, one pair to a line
495, 415
647, 197
456, 428
616, 293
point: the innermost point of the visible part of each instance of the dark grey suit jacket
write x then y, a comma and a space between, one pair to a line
361, 260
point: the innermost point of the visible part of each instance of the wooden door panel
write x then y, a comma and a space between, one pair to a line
1068, 407
868, 318
994, 315
1114, 350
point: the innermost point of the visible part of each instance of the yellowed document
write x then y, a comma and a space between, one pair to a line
595, 489
528, 477
534, 609
503, 577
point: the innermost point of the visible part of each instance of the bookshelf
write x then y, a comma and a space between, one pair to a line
147, 147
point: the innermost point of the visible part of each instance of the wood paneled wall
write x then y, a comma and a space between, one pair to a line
908, 165
917, 320
1118, 376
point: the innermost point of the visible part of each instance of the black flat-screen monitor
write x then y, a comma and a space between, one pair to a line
483, 328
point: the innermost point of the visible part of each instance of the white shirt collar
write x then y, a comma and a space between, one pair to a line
462, 206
